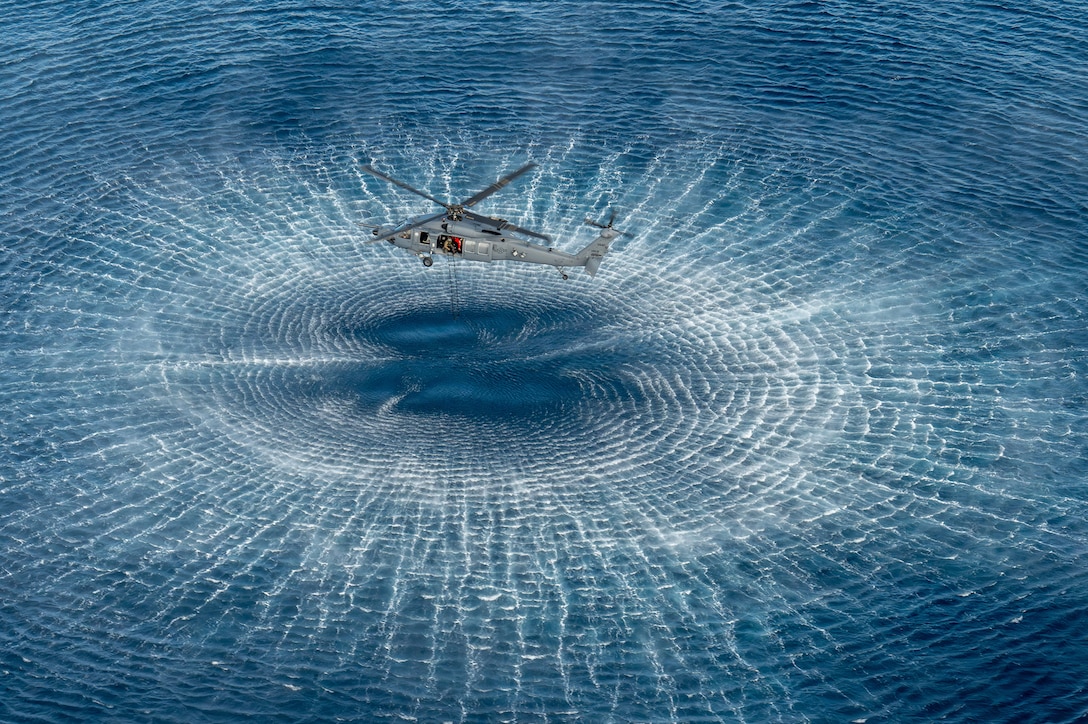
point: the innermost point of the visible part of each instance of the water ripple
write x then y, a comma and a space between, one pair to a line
811, 445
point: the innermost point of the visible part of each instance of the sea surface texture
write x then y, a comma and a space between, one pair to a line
811, 447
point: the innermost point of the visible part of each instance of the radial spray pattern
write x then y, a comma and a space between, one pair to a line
810, 446
630, 497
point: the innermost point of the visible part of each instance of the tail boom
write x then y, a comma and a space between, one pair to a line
592, 256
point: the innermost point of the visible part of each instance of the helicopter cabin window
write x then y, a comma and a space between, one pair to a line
424, 237
469, 247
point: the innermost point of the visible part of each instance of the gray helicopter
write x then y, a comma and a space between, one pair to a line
460, 233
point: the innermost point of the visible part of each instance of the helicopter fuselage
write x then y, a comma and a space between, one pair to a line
459, 232
475, 241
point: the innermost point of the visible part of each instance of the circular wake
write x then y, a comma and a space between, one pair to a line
300, 450
810, 445
347, 358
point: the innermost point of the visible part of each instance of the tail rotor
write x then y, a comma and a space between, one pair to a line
608, 226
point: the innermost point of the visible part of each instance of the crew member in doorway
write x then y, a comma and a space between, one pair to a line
450, 244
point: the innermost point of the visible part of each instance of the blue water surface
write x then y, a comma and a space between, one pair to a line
812, 445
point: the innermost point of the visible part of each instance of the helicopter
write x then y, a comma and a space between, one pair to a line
460, 233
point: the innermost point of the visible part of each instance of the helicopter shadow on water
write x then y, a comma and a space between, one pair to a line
487, 363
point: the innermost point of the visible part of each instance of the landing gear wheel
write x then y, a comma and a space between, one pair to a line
427, 261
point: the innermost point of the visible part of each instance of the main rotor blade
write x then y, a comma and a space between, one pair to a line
497, 185
503, 225
527, 232
374, 172
406, 227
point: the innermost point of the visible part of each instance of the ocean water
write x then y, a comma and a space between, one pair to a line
811, 447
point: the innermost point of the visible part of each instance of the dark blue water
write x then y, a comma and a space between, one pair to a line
812, 446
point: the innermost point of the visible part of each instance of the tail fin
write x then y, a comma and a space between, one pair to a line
592, 255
